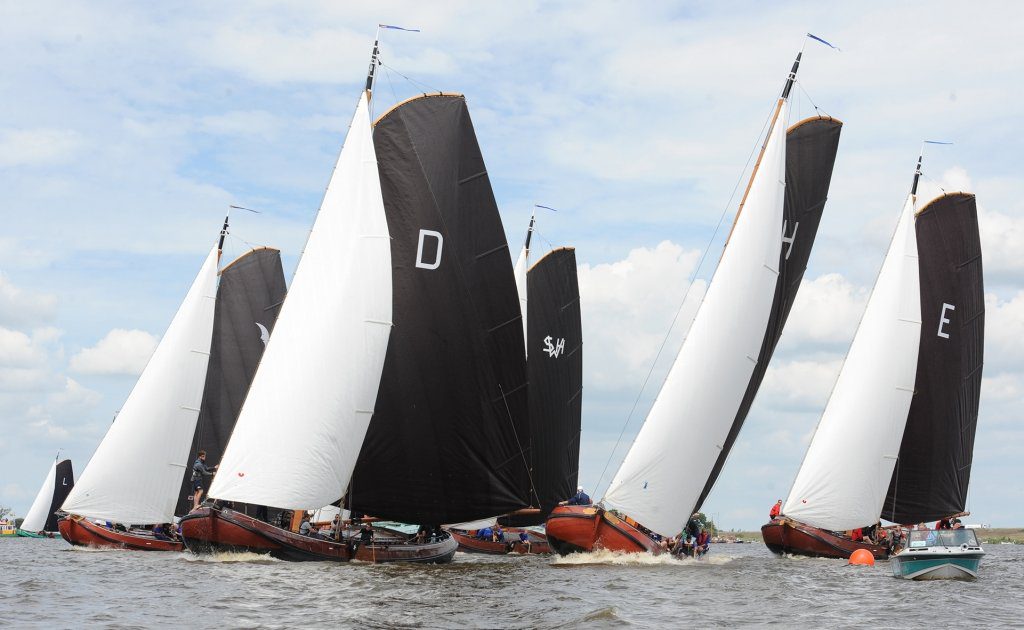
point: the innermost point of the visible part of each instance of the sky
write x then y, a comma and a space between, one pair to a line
127, 129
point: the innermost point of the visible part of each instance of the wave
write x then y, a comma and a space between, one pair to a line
226, 557
619, 558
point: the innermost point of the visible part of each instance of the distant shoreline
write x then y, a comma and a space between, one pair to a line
988, 536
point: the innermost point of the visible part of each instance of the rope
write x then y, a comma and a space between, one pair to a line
529, 471
686, 294
409, 79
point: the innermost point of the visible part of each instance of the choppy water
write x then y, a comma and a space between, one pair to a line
48, 583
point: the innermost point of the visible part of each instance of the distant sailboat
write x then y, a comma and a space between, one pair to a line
903, 381
683, 444
41, 520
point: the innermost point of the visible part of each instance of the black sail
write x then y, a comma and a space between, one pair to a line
63, 482
555, 367
250, 294
445, 441
811, 146
934, 466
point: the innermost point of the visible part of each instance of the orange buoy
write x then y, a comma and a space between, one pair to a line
863, 557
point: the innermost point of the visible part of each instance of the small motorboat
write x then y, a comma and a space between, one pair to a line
944, 554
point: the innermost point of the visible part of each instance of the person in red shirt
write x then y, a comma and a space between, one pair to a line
857, 535
776, 509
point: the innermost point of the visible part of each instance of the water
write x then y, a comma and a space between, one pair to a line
49, 583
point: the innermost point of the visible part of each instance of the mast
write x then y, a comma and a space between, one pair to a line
371, 74
521, 270
223, 234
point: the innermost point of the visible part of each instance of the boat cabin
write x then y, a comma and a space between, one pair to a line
923, 539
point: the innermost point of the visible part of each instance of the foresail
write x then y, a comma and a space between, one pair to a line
306, 413
934, 467
249, 296
134, 475
520, 270
811, 146
35, 520
445, 442
668, 465
844, 476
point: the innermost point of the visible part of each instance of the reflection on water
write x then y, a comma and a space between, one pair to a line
48, 583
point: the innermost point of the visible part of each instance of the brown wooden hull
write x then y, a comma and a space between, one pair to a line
207, 530
575, 529
470, 544
83, 533
788, 536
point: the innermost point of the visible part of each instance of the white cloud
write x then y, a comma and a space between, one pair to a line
119, 352
826, 311
799, 385
627, 307
37, 147
19, 307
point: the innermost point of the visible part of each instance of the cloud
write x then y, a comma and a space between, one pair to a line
19, 307
119, 352
37, 147
627, 307
826, 311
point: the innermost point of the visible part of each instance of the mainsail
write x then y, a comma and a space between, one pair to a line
135, 473
41, 516
303, 421
555, 369
811, 146
843, 479
934, 466
667, 468
445, 444
249, 296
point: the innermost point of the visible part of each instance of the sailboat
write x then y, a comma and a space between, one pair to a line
689, 431
549, 294
183, 397
249, 296
402, 309
896, 437
134, 475
41, 521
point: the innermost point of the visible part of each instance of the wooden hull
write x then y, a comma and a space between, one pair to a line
783, 536
83, 533
471, 544
579, 529
209, 530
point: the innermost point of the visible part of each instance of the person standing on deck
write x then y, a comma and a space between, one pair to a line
776, 510
199, 470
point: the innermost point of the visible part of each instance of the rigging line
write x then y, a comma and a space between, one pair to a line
686, 294
387, 75
529, 471
817, 109
409, 79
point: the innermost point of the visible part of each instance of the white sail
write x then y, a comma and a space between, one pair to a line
35, 520
302, 425
135, 475
521, 269
844, 477
666, 469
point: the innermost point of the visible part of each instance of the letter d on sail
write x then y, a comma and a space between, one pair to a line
419, 250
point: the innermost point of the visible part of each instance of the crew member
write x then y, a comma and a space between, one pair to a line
580, 498
776, 510
199, 470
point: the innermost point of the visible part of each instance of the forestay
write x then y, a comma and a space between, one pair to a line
135, 473
844, 476
666, 469
301, 426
